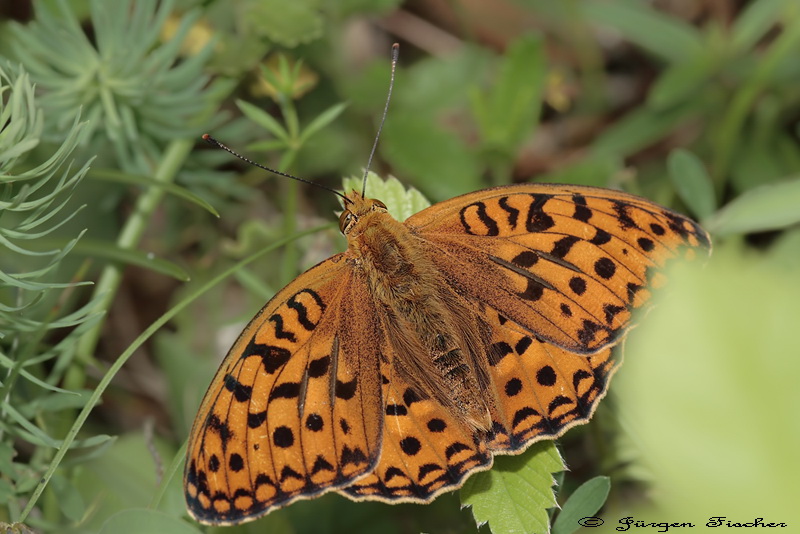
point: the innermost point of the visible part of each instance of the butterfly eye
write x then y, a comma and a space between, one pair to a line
345, 220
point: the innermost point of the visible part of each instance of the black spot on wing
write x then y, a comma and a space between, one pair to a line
522, 345
582, 211
283, 437
272, 358
214, 424
546, 376
611, 311
396, 409
621, 209
321, 464
488, 225
295, 303
562, 247
513, 213
525, 259
255, 420
605, 268
240, 392
280, 333
645, 244
287, 390
577, 285
315, 422
346, 390
410, 396
537, 220
601, 237
353, 456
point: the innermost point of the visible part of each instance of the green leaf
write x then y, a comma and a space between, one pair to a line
68, 497
667, 37
360, 8
509, 112
35, 435
145, 521
515, 494
112, 175
731, 128
584, 502
596, 170
692, 182
681, 80
110, 251
439, 162
8, 363
726, 332
755, 21
124, 79
321, 121
402, 202
267, 146
58, 401
763, 161
287, 23
785, 251
642, 127
431, 86
7, 492
769, 207
263, 119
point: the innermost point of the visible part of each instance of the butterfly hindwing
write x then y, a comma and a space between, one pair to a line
294, 410
567, 262
541, 390
426, 450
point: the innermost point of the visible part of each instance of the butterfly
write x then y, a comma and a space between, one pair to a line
394, 370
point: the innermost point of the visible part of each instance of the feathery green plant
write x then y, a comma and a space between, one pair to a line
132, 92
35, 298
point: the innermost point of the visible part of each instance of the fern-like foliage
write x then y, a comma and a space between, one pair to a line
131, 88
38, 320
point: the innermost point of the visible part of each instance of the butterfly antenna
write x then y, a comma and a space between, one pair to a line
217, 144
395, 54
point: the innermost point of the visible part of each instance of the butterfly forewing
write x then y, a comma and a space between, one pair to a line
567, 262
294, 410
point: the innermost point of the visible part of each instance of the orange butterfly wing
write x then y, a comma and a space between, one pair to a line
308, 399
427, 451
568, 263
294, 410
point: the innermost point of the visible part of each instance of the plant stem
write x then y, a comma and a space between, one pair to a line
129, 238
744, 99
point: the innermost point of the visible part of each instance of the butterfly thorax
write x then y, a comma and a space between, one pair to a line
436, 339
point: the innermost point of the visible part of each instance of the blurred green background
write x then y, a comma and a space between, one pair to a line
103, 178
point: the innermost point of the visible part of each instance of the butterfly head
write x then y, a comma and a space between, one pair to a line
357, 207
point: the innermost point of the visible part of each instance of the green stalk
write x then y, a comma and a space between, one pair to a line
291, 254
745, 97
129, 238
